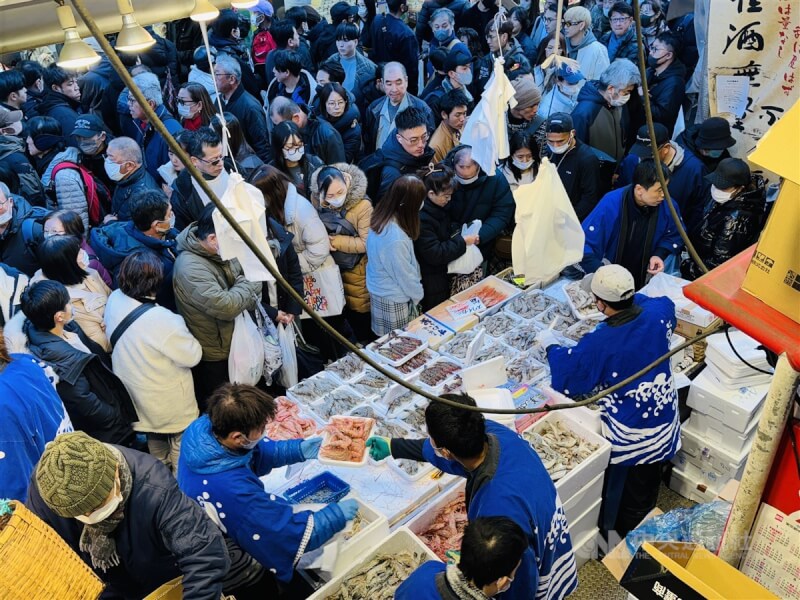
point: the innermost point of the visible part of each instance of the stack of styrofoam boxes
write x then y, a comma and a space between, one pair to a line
581, 489
726, 401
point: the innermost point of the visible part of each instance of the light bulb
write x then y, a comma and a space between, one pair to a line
75, 54
204, 11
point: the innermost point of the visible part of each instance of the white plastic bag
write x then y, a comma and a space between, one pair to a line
288, 374
548, 235
246, 360
472, 258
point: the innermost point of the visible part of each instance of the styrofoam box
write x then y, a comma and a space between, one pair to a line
586, 522
424, 519
719, 352
734, 407
583, 500
586, 548
401, 539
371, 534
691, 489
706, 476
589, 469
709, 457
716, 432
589, 418
752, 379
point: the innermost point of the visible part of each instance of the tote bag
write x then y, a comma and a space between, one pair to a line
323, 290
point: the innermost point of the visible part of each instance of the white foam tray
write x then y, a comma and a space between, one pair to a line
344, 463
425, 518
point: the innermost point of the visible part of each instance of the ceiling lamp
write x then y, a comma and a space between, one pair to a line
244, 3
204, 11
76, 54
132, 37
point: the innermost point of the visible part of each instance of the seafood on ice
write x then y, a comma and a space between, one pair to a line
390, 429
457, 347
562, 321
582, 300
288, 424
454, 386
415, 362
413, 417
355, 526
397, 346
523, 337
371, 383
379, 578
365, 410
500, 323
490, 351
346, 439
560, 448
338, 402
410, 467
438, 372
447, 529
530, 304
581, 328
525, 369
395, 404
313, 388
347, 367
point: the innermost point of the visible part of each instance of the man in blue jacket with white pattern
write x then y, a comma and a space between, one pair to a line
505, 477
641, 419
223, 454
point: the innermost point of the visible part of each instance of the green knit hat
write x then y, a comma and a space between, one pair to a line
75, 474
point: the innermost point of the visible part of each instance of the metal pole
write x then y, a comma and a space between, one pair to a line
777, 407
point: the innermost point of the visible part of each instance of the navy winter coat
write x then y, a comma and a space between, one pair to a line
488, 199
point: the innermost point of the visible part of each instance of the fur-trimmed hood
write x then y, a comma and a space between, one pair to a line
355, 193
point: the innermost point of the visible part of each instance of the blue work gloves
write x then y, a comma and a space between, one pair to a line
349, 508
378, 448
310, 447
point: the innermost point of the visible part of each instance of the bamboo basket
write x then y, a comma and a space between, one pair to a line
38, 565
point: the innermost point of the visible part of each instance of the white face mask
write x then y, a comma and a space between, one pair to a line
362, 12
719, 196
6, 216
562, 148
506, 587
463, 181
253, 443
113, 170
184, 112
102, 513
465, 79
337, 201
620, 100
569, 90
524, 166
83, 259
294, 155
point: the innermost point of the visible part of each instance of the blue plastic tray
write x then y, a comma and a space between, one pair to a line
321, 489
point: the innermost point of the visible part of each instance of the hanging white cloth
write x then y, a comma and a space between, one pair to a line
246, 204
486, 129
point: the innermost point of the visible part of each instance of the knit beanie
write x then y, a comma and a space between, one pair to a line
75, 474
526, 93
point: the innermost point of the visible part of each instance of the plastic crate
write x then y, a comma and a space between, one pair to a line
320, 484
402, 539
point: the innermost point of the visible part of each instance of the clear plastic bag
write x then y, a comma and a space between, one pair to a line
701, 524
273, 358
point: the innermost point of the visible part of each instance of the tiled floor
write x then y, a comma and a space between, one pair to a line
594, 580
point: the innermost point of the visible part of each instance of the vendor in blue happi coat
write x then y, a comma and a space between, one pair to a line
491, 553
505, 477
223, 454
641, 419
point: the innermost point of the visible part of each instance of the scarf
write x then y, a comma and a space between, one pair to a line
463, 588
96, 539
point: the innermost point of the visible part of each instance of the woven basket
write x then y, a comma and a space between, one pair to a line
38, 565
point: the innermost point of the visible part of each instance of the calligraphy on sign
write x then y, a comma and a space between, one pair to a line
758, 40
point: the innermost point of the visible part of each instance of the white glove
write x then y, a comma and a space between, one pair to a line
546, 338
586, 283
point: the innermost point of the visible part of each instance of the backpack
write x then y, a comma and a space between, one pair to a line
336, 224
93, 188
372, 166
263, 44
36, 216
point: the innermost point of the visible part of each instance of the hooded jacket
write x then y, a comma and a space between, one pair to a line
727, 229
398, 162
323, 42
365, 69
117, 240
599, 124
358, 211
226, 485
154, 146
289, 268
310, 236
592, 56
69, 190
624, 47
164, 535
251, 115
579, 170
235, 49
61, 108
12, 153
349, 127
514, 58
489, 199
397, 42
96, 400
15, 250
323, 141
667, 92
210, 293
438, 244
303, 94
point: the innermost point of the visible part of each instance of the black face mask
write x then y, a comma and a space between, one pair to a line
647, 20
209, 177
653, 62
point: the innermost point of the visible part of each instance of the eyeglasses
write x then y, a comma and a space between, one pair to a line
572, 23
416, 140
618, 20
213, 162
549, 19
293, 148
335, 103
182, 102
5, 201
221, 74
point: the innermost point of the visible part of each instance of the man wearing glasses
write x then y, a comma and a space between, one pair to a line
621, 40
582, 46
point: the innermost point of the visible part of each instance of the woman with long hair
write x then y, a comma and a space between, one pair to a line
547, 47
246, 158
393, 275
62, 260
335, 108
195, 109
67, 222
522, 163
290, 156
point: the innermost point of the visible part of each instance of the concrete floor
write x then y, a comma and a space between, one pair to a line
594, 580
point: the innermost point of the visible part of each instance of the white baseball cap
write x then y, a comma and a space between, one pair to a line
612, 283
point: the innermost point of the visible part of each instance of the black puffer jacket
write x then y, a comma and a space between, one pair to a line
162, 536
138, 181
349, 127
322, 140
16, 248
96, 400
438, 244
489, 199
62, 109
729, 228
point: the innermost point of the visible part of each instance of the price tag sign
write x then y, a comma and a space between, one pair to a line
467, 307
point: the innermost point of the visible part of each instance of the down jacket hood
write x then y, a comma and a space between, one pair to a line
204, 454
54, 99
115, 241
189, 242
355, 193
590, 93
69, 154
10, 144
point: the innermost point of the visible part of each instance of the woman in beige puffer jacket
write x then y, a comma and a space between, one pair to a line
357, 209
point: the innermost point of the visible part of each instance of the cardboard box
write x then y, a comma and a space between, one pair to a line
689, 572
774, 272
690, 330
